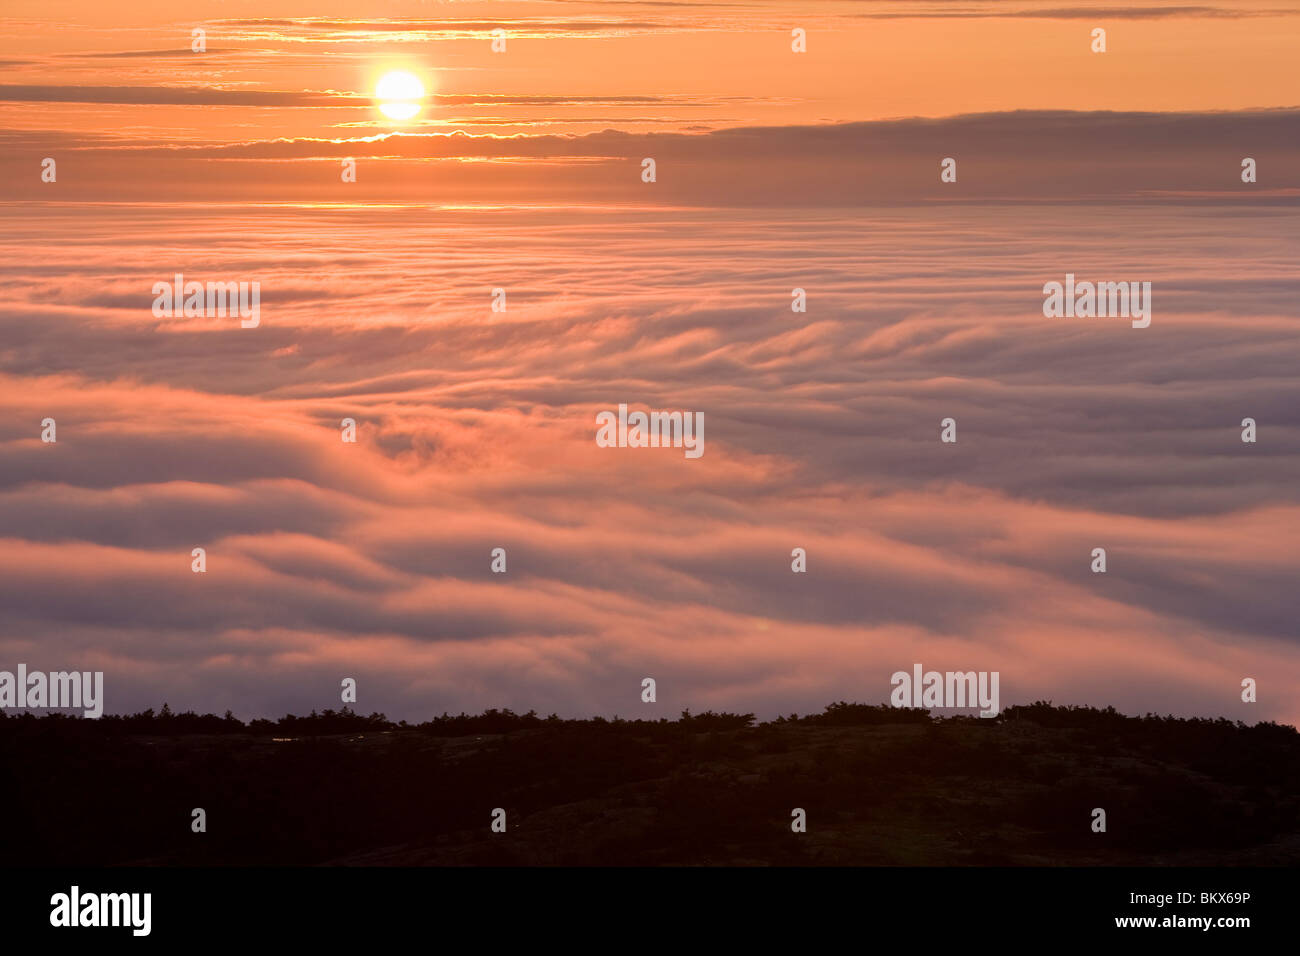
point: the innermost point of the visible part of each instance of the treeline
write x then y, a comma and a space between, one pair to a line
346, 721
503, 721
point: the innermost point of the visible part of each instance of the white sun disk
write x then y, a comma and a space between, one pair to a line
399, 95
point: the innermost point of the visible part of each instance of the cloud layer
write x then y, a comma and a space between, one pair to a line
476, 431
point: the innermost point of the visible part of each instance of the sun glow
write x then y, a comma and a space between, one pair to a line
399, 95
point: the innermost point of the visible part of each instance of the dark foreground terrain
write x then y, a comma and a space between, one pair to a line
879, 786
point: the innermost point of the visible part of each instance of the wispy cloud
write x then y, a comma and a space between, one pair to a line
1055, 156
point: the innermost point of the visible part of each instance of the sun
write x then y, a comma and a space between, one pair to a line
399, 94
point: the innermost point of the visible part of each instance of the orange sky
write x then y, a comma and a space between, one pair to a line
711, 65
